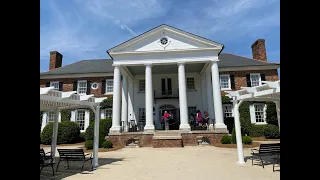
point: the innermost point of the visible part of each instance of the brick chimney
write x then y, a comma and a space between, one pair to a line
55, 60
259, 50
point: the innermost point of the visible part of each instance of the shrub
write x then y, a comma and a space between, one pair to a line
89, 134
65, 115
89, 144
91, 116
46, 134
107, 144
226, 139
245, 120
233, 136
225, 100
82, 137
40, 139
257, 130
246, 140
104, 126
271, 113
271, 132
106, 103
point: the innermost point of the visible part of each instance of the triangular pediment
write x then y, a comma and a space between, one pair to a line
165, 38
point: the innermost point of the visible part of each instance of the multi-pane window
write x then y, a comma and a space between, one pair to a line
80, 118
108, 113
142, 85
190, 83
82, 87
225, 81
50, 116
255, 80
193, 110
55, 84
109, 86
227, 110
259, 112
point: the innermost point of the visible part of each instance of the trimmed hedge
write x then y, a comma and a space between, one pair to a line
245, 121
226, 139
233, 136
271, 132
89, 144
82, 137
246, 140
65, 115
257, 130
104, 126
68, 133
107, 144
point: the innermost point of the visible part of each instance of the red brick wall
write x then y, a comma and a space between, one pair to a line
68, 84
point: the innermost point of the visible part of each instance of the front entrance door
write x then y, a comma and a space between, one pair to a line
174, 123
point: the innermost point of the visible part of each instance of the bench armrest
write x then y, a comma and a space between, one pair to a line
88, 154
255, 150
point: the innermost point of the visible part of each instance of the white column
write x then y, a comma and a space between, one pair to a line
210, 98
238, 131
149, 127
131, 114
278, 112
115, 128
184, 125
219, 122
96, 137
44, 120
54, 133
124, 108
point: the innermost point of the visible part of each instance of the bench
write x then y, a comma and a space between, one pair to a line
44, 158
74, 155
265, 150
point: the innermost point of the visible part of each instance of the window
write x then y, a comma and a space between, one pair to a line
227, 110
82, 87
225, 81
55, 84
80, 118
255, 80
108, 113
190, 83
109, 86
50, 116
259, 110
142, 85
193, 110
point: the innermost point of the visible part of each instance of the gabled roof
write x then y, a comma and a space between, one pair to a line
105, 65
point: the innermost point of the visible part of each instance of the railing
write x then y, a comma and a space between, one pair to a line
166, 93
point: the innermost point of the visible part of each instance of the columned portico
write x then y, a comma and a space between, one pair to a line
115, 128
219, 122
149, 127
184, 126
209, 97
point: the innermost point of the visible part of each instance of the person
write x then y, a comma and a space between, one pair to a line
206, 118
193, 119
199, 117
166, 117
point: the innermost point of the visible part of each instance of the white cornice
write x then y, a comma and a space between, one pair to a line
249, 68
56, 76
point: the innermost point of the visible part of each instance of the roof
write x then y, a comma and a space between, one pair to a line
105, 65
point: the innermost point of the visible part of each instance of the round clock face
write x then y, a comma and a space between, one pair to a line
164, 41
94, 86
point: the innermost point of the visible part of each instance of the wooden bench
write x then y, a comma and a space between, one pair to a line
44, 158
265, 150
74, 155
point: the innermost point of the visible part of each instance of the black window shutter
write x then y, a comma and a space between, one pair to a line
88, 87
48, 84
60, 86
75, 86
263, 77
233, 85
248, 80
103, 87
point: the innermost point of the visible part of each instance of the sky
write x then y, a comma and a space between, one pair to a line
86, 29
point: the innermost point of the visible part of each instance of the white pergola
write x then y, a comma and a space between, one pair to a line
57, 100
269, 91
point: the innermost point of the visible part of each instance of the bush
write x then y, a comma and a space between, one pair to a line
233, 136
271, 132
226, 139
104, 126
89, 144
257, 130
245, 120
46, 134
225, 100
82, 137
271, 113
107, 144
40, 139
65, 115
246, 140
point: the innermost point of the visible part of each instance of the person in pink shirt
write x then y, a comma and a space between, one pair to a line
199, 117
166, 117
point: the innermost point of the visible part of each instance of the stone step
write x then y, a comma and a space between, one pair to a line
173, 133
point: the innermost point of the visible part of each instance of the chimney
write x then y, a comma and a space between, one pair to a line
259, 50
55, 60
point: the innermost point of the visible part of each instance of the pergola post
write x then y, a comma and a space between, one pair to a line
278, 112
54, 134
238, 131
96, 137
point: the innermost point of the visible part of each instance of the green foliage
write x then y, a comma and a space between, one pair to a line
226, 139
89, 134
257, 130
271, 131
225, 100
104, 126
246, 140
82, 137
229, 121
46, 134
106, 103
271, 113
92, 116
233, 136
41, 114
65, 115
107, 144
89, 144
245, 120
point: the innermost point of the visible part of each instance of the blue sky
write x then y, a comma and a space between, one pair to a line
85, 29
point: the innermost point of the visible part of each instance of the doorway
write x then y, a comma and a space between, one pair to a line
174, 123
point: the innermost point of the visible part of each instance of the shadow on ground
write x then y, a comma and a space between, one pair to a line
267, 160
74, 168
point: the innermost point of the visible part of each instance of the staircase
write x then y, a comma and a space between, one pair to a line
170, 138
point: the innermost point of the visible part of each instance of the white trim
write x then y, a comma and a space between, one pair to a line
81, 81
254, 74
253, 119
229, 82
109, 93
76, 75
223, 108
249, 68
